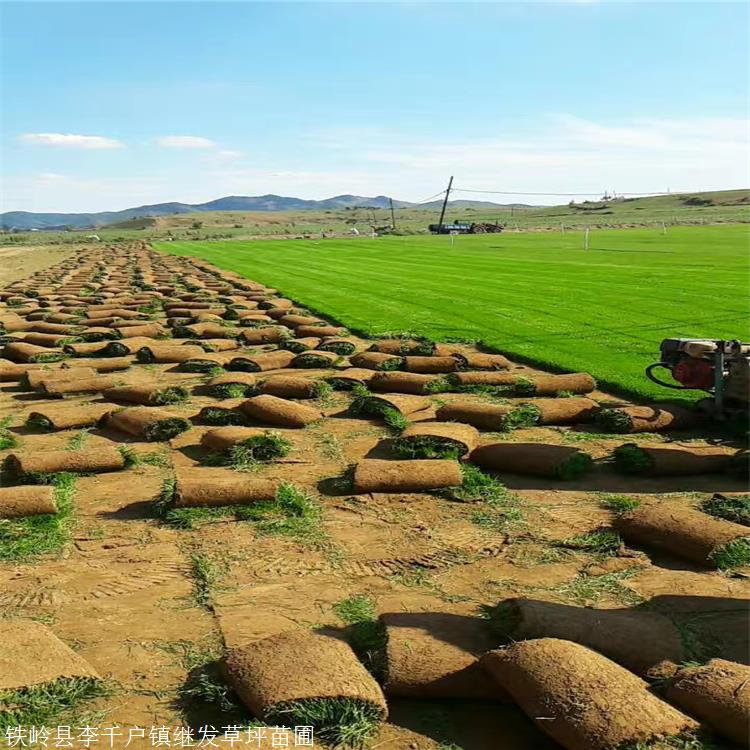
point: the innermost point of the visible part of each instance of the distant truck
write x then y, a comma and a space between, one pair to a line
461, 227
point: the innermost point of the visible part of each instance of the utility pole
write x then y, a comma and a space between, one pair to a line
445, 204
393, 215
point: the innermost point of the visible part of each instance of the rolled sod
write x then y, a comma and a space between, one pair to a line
130, 346
430, 364
482, 361
60, 388
217, 345
148, 395
205, 363
92, 349
535, 459
258, 444
205, 488
224, 413
345, 380
277, 360
94, 460
580, 698
731, 506
485, 378
150, 330
277, 303
300, 345
316, 359
655, 418
576, 382
637, 639
105, 364
484, 416
436, 655
401, 382
402, 347
374, 475
294, 321
33, 379
230, 383
686, 533
265, 335
269, 409
293, 387
48, 339
68, 417
21, 502
342, 347
21, 352
666, 461
718, 693
168, 354
149, 423
300, 678
376, 405
436, 440
559, 410
377, 361
321, 332
13, 373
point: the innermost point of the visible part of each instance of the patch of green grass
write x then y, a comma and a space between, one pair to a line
207, 571
24, 539
231, 390
602, 542
735, 509
190, 654
341, 722
631, 459
476, 487
247, 454
133, 458
78, 440
428, 446
166, 429
356, 608
173, 394
579, 463
61, 701
526, 415
734, 554
549, 300
699, 740
7, 438
218, 416
589, 590
619, 504
330, 447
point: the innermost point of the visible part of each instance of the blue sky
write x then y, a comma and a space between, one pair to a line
109, 105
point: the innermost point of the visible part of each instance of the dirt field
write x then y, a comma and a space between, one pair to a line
23, 260
152, 607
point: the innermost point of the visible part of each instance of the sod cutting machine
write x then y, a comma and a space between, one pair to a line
721, 368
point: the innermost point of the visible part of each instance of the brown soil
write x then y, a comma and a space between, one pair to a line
123, 592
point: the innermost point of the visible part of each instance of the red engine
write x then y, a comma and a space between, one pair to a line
694, 373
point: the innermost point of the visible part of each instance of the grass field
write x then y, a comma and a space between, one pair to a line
536, 296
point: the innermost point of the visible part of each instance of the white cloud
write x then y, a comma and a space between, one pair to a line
185, 141
69, 140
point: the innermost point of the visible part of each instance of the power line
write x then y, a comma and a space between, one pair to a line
596, 192
432, 197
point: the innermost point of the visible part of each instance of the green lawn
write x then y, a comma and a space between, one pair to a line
539, 296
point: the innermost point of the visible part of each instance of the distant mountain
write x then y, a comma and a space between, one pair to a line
24, 220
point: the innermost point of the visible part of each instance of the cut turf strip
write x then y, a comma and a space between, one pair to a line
373, 475
21, 502
148, 394
484, 416
555, 411
718, 693
300, 678
401, 382
152, 424
435, 655
686, 533
209, 488
536, 459
285, 386
52, 418
580, 698
278, 411
638, 640
22, 466
665, 461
